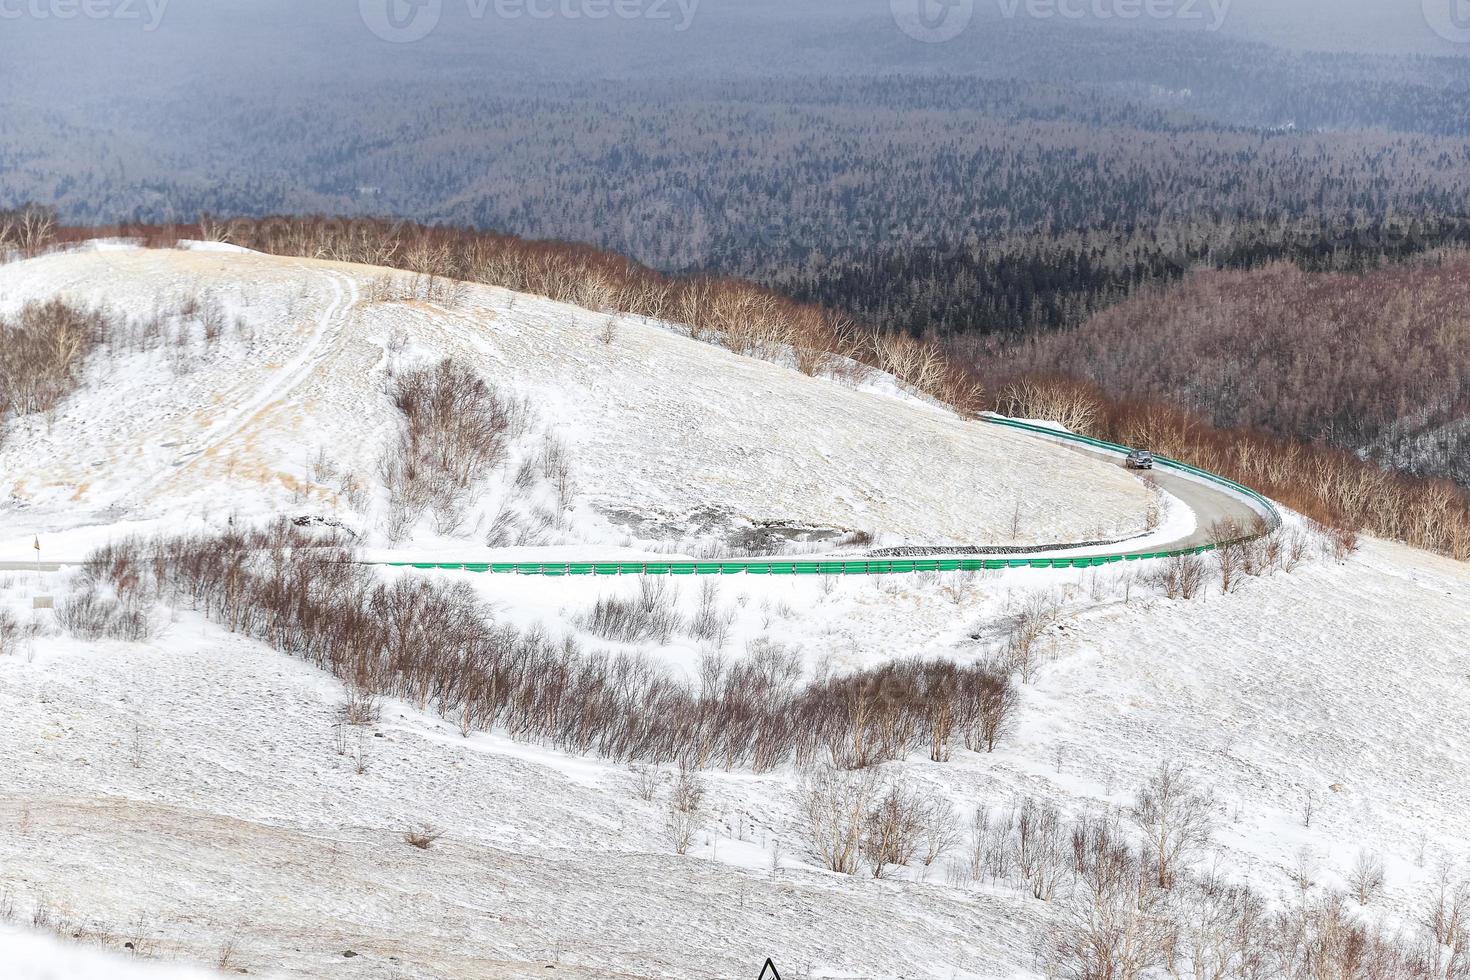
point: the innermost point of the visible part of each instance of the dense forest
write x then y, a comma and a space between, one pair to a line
1376, 363
954, 190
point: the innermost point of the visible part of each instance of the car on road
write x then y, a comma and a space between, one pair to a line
1140, 459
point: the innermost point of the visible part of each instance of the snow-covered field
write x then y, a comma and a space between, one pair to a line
197, 795
196, 781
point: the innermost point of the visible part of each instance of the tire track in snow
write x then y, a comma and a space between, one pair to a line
286, 380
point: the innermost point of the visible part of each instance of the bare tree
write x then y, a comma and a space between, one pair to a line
893, 829
685, 816
1366, 877
835, 807
1119, 927
1176, 818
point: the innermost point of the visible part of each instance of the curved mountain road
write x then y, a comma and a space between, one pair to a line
1213, 499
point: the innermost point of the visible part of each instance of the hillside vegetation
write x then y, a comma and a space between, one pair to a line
1377, 363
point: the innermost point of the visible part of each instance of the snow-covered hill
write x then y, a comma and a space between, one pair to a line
670, 441
199, 793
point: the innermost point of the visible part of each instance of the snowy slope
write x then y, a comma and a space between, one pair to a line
29, 955
198, 790
670, 440
195, 780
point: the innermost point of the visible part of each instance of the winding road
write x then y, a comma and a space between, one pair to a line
1214, 500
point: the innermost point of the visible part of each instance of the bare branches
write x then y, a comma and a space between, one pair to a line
28, 230
1366, 877
1176, 818
456, 429
42, 352
434, 645
835, 805
1180, 577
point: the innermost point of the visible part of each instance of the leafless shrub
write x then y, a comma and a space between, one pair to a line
687, 794
1366, 877
988, 707
1179, 577
434, 645
456, 428
1304, 871
1446, 921
137, 746
710, 623
990, 855
893, 829
42, 353
1116, 921
1021, 654
684, 818
645, 781
651, 617
1040, 848
14, 634
27, 230
940, 835
1336, 542
363, 707
1176, 818
1119, 926
92, 614
556, 468
1073, 405
1308, 807
1232, 555
123, 566
1294, 550
361, 755
225, 960
140, 939
835, 807
422, 835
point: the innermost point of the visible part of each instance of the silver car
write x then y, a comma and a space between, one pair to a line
1140, 459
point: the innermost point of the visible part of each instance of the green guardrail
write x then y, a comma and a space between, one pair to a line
895, 566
